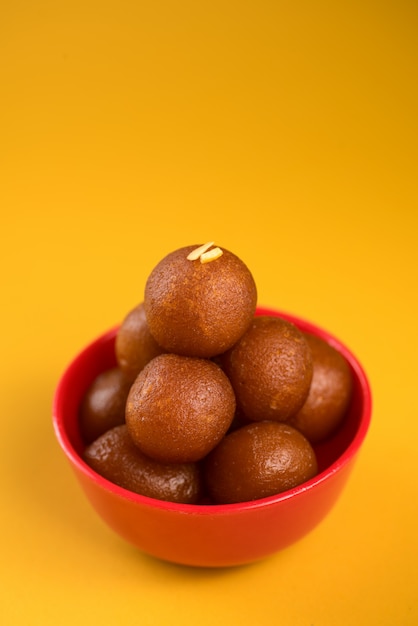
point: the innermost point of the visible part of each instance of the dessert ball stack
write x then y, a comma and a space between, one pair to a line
209, 402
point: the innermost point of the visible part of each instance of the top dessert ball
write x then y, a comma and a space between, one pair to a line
199, 300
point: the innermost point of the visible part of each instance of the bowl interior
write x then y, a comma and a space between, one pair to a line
100, 355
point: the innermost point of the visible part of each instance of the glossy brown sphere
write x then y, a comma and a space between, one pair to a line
270, 369
135, 346
115, 457
103, 405
258, 460
199, 309
329, 393
179, 408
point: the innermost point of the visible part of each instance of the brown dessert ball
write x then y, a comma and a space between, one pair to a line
179, 408
115, 457
258, 460
199, 309
134, 345
270, 369
103, 405
329, 393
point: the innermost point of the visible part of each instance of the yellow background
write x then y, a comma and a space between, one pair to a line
288, 133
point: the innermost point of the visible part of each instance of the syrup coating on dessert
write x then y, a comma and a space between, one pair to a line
115, 457
199, 306
270, 369
329, 393
135, 346
179, 408
258, 460
103, 405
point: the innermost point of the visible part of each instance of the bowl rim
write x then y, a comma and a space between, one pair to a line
217, 509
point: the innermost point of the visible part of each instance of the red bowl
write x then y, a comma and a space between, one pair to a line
212, 535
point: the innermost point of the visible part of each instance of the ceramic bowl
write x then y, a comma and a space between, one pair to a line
209, 535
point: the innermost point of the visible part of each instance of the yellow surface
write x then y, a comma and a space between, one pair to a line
288, 133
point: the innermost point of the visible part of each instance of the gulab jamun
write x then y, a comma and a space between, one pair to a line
103, 405
270, 369
179, 408
134, 345
115, 457
258, 460
198, 308
329, 393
